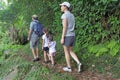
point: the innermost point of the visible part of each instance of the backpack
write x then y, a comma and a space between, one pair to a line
38, 29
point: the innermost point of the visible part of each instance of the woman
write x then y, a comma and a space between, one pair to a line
68, 36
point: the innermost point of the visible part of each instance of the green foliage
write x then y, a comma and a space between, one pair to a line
111, 47
23, 69
97, 25
92, 24
28, 70
8, 49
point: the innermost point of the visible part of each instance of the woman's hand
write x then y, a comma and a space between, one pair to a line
62, 40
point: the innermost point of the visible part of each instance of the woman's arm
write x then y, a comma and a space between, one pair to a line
64, 30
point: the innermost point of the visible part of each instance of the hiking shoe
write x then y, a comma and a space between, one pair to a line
79, 67
34, 60
37, 58
45, 62
67, 69
48, 61
52, 65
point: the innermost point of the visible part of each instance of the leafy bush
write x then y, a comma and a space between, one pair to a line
97, 24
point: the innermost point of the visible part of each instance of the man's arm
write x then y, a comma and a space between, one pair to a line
29, 34
30, 31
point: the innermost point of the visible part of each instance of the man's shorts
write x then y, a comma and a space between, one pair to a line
45, 48
34, 42
69, 41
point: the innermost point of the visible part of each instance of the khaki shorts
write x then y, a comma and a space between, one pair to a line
69, 41
34, 42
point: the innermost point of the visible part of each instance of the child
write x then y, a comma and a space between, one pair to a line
45, 45
52, 49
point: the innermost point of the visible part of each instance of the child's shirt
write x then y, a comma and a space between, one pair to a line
52, 46
46, 40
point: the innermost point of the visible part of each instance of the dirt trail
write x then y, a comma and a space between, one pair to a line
11, 75
84, 75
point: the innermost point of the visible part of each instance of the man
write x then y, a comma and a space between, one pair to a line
34, 38
68, 36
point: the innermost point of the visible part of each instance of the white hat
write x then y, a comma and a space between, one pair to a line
34, 16
65, 4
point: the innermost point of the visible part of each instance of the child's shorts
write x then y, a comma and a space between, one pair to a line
45, 48
52, 54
